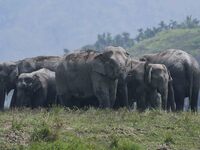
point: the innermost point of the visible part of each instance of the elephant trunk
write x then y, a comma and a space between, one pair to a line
164, 95
147, 73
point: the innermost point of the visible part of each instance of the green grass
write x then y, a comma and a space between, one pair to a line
59, 129
185, 39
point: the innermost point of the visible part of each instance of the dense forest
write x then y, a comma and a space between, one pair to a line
126, 41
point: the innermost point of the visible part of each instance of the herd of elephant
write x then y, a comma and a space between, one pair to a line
110, 78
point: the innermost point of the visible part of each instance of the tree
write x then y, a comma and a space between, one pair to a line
190, 23
162, 25
173, 24
66, 50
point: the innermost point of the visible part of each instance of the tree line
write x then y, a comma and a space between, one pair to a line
188, 23
124, 39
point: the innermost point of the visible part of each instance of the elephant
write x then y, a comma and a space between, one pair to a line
8, 75
145, 81
159, 78
28, 65
89, 73
36, 89
185, 72
138, 89
9, 72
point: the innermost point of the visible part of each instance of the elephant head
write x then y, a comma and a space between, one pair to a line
27, 86
8, 73
8, 76
158, 77
141, 84
111, 62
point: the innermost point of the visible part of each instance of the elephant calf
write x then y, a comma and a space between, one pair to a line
145, 81
159, 79
36, 89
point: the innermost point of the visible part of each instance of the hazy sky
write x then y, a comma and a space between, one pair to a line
45, 27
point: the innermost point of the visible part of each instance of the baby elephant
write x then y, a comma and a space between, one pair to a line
36, 89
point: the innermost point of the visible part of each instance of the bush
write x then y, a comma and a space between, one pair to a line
44, 133
124, 144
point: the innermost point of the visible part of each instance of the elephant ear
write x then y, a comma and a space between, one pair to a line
101, 63
98, 66
170, 77
14, 73
143, 59
147, 73
37, 84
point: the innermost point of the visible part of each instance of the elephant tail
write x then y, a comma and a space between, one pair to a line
189, 76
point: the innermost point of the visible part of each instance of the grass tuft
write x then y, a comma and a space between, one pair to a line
124, 144
44, 133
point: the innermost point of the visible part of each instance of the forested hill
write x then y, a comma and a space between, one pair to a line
183, 35
185, 39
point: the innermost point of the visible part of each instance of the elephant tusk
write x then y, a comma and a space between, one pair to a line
8, 98
149, 75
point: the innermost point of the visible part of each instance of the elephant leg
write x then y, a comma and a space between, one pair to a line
2, 99
122, 94
103, 96
170, 99
113, 92
194, 98
60, 100
64, 100
141, 103
101, 89
67, 100
179, 99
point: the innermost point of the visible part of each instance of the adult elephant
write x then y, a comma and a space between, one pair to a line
9, 72
185, 73
88, 73
145, 81
36, 89
8, 75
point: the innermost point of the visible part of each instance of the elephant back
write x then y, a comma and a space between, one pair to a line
79, 57
28, 65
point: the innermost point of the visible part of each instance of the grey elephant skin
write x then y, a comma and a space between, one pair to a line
36, 89
9, 72
88, 73
159, 79
185, 73
143, 82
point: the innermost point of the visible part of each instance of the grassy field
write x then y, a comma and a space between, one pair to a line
185, 39
58, 129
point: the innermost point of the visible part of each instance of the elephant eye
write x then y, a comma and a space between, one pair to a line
28, 80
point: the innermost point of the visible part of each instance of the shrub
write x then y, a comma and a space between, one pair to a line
124, 144
43, 133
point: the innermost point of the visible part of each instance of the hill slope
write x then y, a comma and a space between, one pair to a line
185, 39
